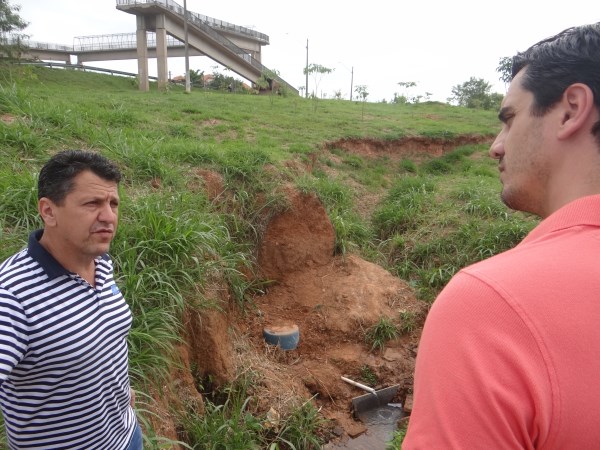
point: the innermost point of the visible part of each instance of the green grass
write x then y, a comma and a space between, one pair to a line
429, 217
397, 438
232, 424
380, 333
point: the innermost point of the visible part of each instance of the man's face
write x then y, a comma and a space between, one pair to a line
86, 222
520, 150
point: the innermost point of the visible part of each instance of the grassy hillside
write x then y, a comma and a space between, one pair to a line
420, 216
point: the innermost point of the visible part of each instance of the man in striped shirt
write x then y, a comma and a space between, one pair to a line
64, 380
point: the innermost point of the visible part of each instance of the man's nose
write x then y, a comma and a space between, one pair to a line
107, 213
497, 148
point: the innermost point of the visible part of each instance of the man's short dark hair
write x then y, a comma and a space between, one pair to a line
57, 175
553, 64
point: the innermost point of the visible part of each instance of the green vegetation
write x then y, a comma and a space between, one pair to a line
419, 216
230, 425
379, 334
476, 93
11, 25
408, 321
368, 376
397, 437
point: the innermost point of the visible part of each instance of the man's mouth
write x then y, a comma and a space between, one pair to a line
103, 231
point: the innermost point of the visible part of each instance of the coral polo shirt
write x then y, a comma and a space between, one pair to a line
509, 357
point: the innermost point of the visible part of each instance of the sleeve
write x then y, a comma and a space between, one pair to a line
13, 334
480, 379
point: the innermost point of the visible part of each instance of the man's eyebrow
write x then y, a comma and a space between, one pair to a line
505, 114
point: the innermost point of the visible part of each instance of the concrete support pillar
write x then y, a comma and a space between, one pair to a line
161, 52
142, 53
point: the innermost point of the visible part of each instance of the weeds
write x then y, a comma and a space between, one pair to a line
367, 375
232, 425
397, 437
379, 334
302, 428
408, 322
401, 210
19, 198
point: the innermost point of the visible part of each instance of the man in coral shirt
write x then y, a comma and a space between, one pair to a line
508, 358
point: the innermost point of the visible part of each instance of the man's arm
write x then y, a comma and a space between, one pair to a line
13, 337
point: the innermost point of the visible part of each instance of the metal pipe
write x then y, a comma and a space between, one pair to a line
362, 386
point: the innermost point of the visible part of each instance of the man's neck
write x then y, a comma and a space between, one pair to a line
82, 265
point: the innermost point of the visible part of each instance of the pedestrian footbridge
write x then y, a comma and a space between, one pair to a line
162, 30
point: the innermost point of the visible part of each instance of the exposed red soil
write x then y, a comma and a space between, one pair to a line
406, 146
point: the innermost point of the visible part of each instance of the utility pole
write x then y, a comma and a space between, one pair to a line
306, 70
351, 81
351, 77
187, 51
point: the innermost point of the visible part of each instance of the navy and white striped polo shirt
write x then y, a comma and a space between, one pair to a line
64, 380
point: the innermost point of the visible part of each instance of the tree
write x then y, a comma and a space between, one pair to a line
317, 71
197, 77
404, 98
475, 93
505, 69
221, 82
362, 92
10, 24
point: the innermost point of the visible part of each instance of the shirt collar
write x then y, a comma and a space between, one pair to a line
50, 265
583, 211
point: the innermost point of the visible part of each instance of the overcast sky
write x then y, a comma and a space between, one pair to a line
436, 44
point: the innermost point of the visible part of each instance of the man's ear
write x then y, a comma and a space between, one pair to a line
46, 210
578, 110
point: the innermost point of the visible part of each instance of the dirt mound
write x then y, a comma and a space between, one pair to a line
300, 238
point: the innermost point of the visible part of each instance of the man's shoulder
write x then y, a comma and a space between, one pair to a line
16, 262
507, 260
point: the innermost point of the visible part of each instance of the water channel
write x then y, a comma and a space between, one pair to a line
381, 422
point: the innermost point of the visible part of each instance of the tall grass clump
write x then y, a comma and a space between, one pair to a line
141, 158
244, 164
450, 162
18, 207
233, 424
163, 252
401, 209
21, 140
380, 333
302, 428
14, 99
20, 136
18, 186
